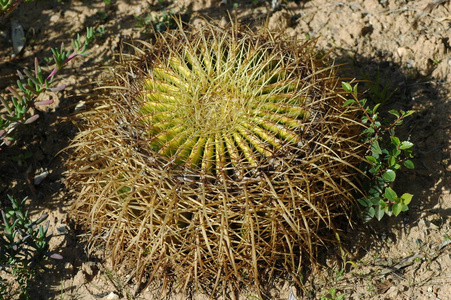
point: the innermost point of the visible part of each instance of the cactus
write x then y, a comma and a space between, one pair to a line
216, 156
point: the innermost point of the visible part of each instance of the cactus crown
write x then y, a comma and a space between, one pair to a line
221, 101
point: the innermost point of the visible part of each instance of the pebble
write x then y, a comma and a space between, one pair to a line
112, 296
69, 268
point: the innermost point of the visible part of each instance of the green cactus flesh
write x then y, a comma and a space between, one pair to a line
225, 107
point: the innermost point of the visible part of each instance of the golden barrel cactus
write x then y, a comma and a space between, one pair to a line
217, 156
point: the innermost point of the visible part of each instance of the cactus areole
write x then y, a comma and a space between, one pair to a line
217, 156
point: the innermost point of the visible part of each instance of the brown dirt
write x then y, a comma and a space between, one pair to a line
406, 42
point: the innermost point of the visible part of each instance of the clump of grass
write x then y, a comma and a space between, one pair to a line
217, 158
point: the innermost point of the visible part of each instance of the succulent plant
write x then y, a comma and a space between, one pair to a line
217, 156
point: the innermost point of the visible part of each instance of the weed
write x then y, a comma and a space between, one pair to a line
386, 154
446, 237
24, 245
435, 61
99, 32
33, 83
333, 295
103, 15
159, 23
339, 274
378, 92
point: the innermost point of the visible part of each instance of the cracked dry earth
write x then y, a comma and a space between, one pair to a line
406, 44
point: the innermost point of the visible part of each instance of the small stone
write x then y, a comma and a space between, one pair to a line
62, 229
366, 30
112, 296
69, 268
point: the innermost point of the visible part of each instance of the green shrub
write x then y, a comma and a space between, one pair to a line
386, 154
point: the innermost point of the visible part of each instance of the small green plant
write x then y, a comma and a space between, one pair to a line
33, 83
24, 245
160, 23
333, 295
385, 156
379, 92
103, 15
99, 32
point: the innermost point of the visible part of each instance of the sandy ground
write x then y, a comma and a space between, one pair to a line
404, 43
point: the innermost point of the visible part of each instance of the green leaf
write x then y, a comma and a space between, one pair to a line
371, 159
406, 198
347, 87
368, 214
395, 113
408, 153
405, 145
379, 213
355, 91
408, 113
399, 122
376, 149
376, 107
390, 194
364, 202
395, 141
389, 175
375, 200
380, 181
397, 208
396, 152
374, 170
369, 130
409, 164
349, 102
391, 131
382, 205
374, 191
392, 161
